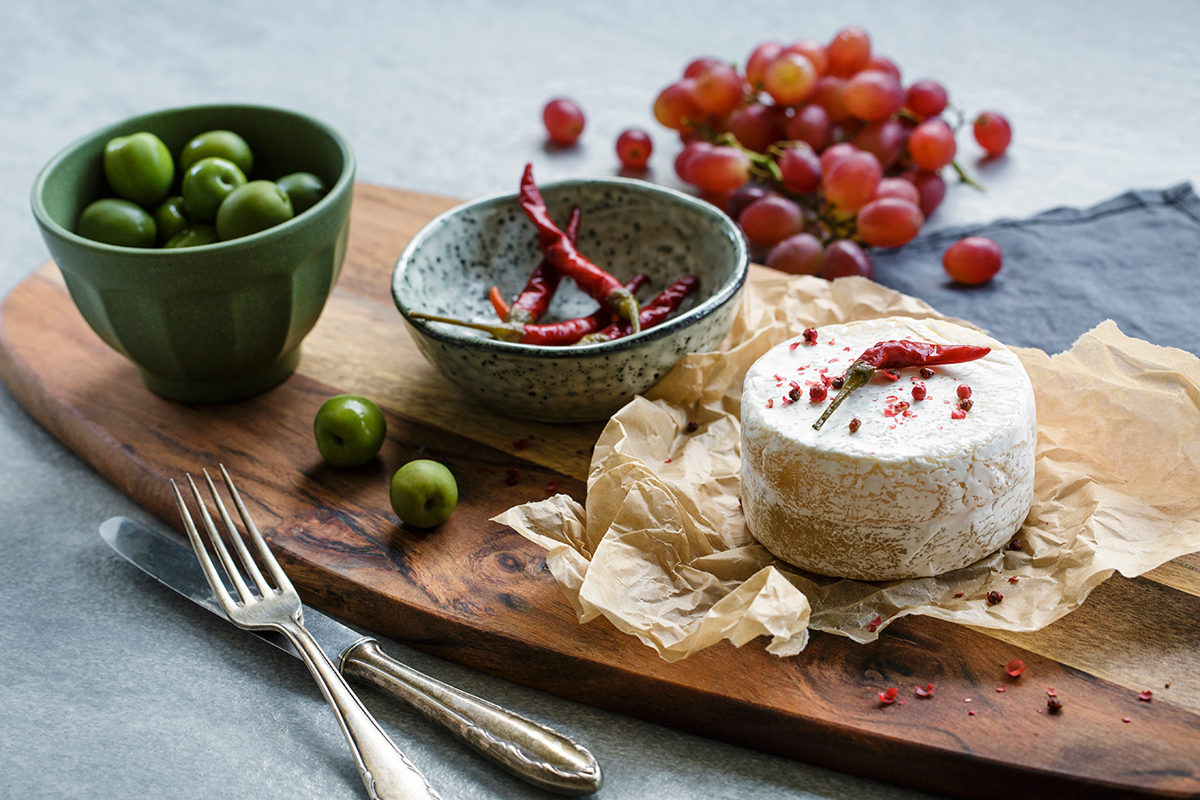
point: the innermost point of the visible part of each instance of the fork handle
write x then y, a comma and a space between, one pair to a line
532, 752
386, 772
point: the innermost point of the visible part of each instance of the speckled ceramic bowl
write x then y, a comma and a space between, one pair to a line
628, 227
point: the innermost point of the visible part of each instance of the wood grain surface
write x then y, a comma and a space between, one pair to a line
476, 593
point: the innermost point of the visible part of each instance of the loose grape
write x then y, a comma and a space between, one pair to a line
889, 222
849, 52
993, 133
800, 168
676, 106
771, 220
973, 260
851, 182
926, 98
759, 126
720, 169
718, 89
799, 255
900, 188
809, 124
564, 121
756, 64
885, 140
790, 78
844, 258
932, 145
872, 95
634, 148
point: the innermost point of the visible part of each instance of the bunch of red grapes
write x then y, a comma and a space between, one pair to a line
818, 150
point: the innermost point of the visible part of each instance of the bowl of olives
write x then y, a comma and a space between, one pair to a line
201, 242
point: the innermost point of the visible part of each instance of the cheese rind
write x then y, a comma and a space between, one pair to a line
913, 492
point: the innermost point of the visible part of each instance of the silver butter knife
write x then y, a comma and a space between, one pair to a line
528, 750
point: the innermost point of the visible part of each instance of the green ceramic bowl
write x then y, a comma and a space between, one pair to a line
222, 321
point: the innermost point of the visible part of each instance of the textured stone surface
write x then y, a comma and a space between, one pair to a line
115, 688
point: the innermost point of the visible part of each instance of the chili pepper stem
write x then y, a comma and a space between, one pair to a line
501, 332
858, 376
625, 304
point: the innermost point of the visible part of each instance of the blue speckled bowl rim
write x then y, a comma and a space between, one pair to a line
163, 254
709, 306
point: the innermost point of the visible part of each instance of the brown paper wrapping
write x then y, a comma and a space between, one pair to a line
661, 548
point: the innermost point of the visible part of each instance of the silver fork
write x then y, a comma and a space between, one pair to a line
385, 771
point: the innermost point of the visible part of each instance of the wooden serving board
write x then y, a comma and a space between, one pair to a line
475, 592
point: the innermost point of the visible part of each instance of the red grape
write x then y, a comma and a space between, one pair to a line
884, 139
758, 126
564, 120
720, 169
809, 124
827, 93
744, 197
844, 258
883, 64
683, 161
789, 78
634, 148
889, 222
848, 52
835, 153
932, 188
993, 132
676, 105
800, 168
973, 260
926, 98
813, 51
771, 220
902, 188
718, 89
851, 182
931, 144
799, 255
756, 64
872, 95
699, 65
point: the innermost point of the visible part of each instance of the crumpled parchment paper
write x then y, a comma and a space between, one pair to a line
661, 548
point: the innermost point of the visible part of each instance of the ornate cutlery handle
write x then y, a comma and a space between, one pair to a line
532, 752
386, 772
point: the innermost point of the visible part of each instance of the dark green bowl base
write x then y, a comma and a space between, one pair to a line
223, 391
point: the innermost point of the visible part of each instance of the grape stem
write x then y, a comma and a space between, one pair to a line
965, 178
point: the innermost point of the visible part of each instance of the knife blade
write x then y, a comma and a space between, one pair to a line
530, 751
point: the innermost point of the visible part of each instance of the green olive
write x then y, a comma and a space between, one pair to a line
207, 183
304, 189
118, 222
193, 236
252, 208
139, 168
221, 144
170, 218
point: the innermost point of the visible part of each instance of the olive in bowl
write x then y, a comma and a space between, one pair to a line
210, 323
628, 228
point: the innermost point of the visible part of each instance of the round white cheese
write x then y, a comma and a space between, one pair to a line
891, 486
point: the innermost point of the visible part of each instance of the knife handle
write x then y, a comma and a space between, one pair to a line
532, 752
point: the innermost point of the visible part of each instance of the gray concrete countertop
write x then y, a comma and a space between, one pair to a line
115, 688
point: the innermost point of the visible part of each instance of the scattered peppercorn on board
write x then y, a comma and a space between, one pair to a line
1125, 667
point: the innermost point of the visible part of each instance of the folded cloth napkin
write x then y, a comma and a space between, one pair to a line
1134, 259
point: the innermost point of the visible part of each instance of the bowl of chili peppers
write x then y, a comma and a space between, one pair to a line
561, 303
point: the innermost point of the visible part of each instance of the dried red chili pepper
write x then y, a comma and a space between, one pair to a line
546, 334
560, 252
498, 302
898, 354
654, 312
539, 290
